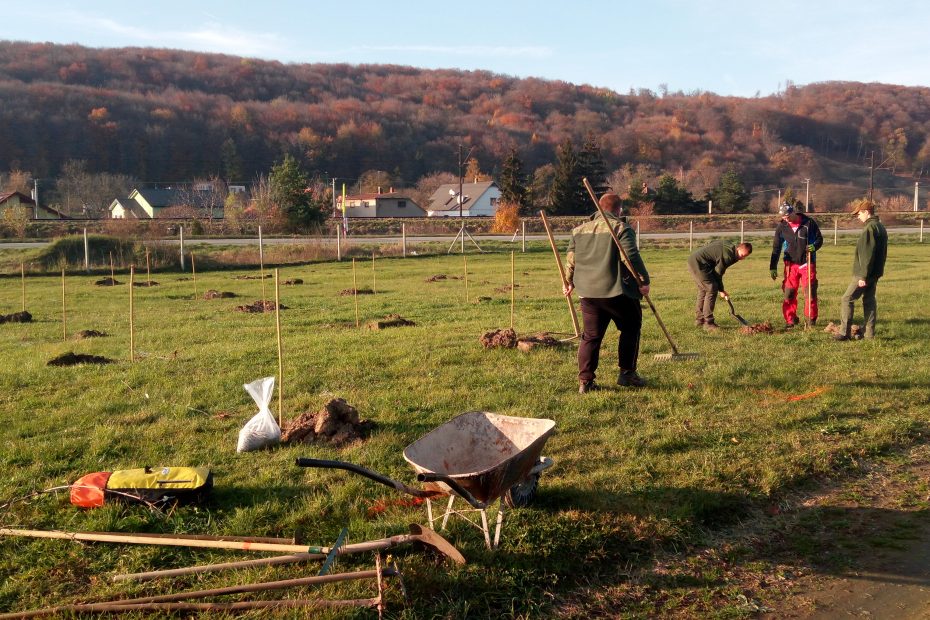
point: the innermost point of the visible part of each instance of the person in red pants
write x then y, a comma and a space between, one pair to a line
797, 237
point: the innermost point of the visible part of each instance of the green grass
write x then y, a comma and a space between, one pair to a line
635, 471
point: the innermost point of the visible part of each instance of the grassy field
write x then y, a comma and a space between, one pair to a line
636, 472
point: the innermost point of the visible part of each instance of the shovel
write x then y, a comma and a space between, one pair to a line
733, 312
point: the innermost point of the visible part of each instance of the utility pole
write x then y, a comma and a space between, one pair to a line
461, 201
807, 196
35, 198
334, 195
871, 173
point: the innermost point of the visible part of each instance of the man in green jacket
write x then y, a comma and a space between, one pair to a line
609, 292
707, 266
868, 267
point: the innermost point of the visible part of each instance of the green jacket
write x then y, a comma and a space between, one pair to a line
594, 266
713, 259
871, 251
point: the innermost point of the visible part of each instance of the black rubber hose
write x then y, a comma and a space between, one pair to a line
372, 475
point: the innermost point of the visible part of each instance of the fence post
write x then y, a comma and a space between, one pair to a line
338, 243
181, 231
741, 229
835, 226
637, 234
921, 231
523, 224
403, 235
690, 235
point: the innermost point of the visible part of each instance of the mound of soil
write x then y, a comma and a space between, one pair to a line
16, 317
348, 292
262, 305
482, 299
505, 289
757, 328
107, 282
499, 338
73, 359
391, 320
293, 282
833, 329
436, 278
145, 284
542, 339
212, 294
336, 423
266, 276
89, 333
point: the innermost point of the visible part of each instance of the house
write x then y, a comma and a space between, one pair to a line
480, 199
9, 200
378, 204
153, 203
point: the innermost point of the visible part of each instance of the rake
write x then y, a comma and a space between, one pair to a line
675, 355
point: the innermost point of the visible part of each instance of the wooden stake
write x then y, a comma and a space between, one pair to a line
22, 273
835, 226
465, 260
277, 323
403, 237
112, 272
64, 318
148, 269
513, 286
132, 342
194, 276
261, 265
374, 288
355, 291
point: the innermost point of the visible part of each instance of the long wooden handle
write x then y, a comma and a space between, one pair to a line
558, 261
629, 265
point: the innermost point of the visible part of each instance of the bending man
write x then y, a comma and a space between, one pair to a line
797, 237
707, 266
608, 290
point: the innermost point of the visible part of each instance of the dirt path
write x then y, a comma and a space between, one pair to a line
886, 518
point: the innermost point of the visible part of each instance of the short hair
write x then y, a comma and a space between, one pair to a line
745, 246
611, 202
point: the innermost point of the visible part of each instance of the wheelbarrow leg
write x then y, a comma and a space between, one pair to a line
484, 528
429, 511
445, 517
500, 522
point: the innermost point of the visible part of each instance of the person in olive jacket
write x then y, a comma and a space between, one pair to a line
707, 266
868, 267
609, 292
796, 237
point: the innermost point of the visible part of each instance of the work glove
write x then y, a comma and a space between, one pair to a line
811, 248
773, 273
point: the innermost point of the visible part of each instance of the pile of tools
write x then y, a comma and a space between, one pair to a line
288, 550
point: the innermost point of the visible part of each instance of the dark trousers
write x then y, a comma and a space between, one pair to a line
869, 307
627, 314
707, 289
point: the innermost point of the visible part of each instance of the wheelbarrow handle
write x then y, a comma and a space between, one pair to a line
455, 486
372, 475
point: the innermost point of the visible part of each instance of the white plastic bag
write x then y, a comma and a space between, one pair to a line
262, 430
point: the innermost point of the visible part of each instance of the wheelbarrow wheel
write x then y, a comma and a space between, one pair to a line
523, 493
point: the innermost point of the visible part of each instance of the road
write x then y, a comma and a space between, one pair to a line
22, 245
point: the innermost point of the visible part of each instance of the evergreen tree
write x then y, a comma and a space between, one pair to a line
569, 196
512, 181
730, 195
672, 198
591, 166
291, 192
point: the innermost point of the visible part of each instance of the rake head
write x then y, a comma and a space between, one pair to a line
676, 357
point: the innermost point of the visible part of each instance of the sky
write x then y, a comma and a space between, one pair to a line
728, 47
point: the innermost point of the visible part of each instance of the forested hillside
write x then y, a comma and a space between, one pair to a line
166, 115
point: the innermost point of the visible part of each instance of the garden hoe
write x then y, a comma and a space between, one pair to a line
662, 357
733, 312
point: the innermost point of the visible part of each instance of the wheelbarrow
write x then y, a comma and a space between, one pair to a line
477, 456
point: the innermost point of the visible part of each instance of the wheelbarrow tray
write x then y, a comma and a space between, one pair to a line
485, 453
